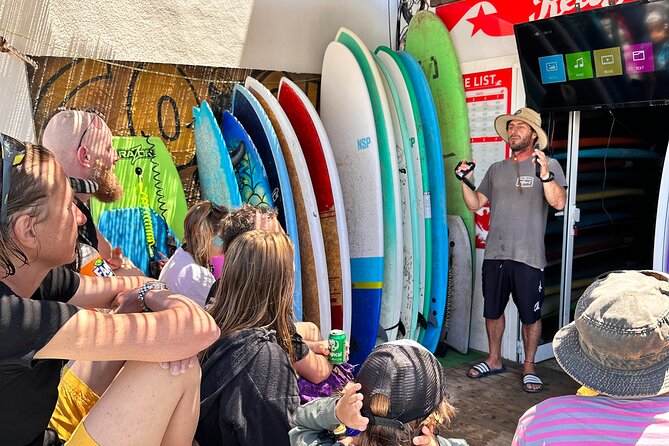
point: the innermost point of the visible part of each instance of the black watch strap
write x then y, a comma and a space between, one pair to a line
551, 177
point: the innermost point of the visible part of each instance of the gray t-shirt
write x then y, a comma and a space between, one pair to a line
518, 211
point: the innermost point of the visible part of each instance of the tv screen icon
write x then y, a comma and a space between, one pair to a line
608, 59
638, 55
551, 66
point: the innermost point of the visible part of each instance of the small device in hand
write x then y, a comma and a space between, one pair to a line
462, 175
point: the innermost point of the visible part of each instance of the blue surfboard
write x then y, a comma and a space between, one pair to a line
255, 121
125, 228
435, 303
217, 177
251, 176
612, 153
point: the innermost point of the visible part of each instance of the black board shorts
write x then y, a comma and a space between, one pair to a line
524, 283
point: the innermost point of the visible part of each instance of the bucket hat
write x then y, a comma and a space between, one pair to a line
618, 343
409, 375
528, 116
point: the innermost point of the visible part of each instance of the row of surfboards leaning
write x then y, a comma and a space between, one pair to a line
360, 188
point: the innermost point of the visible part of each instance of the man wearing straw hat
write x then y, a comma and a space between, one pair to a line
618, 346
519, 189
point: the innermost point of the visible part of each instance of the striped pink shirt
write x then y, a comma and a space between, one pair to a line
595, 420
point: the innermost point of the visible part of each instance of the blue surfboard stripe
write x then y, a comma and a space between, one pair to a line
367, 269
367, 302
428, 115
249, 112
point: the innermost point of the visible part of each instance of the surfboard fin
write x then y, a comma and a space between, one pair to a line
432, 319
421, 321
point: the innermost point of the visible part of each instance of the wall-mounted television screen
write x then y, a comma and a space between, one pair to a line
614, 56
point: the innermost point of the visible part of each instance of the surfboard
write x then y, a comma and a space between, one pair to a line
147, 172
327, 188
409, 110
418, 151
251, 177
598, 141
614, 153
435, 302
217, 177
429, 41
252, 116
348, 118
408, 208
315, 292
596, 193
129, 229
390, 183
456, 332
661, 241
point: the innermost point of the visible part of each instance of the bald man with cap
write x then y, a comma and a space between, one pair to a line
82, 143
520, 190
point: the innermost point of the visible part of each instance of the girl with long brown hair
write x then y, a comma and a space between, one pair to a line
189, 270
249, 388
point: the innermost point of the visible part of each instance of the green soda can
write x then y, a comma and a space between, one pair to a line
337, 346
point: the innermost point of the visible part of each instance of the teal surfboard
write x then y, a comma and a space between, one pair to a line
255, 121
390, 185
613, 153
253, 183
217, 177
435, 302
149, 177
409, 204
415, 127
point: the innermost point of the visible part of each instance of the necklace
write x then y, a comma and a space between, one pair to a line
515, 161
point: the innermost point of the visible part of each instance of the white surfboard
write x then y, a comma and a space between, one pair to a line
409, 312
348, 117
312, 250
295, 101
411, 267
459, 302
661, 246
390, 184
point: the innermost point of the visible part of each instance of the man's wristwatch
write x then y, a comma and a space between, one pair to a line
551, 177
154, 285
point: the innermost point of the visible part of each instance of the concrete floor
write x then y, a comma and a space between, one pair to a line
488, 409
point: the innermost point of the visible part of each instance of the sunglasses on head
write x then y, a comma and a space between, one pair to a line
96, 114
13, 153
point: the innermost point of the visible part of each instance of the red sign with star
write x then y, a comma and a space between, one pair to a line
496, 18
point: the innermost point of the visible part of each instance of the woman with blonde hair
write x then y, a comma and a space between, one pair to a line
249, 389
189, 270
41, 327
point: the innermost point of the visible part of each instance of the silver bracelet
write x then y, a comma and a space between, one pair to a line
141, 295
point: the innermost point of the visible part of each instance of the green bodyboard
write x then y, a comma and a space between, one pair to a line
146, 161
430, 43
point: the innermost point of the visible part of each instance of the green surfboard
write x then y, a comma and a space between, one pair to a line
430, 43
150, 178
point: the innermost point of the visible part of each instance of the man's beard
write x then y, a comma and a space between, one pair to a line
110, 188
522, 145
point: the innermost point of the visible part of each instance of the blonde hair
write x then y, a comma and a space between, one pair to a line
256, 286
201, 225
376, 435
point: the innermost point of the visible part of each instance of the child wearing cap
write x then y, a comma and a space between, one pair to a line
399, 398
